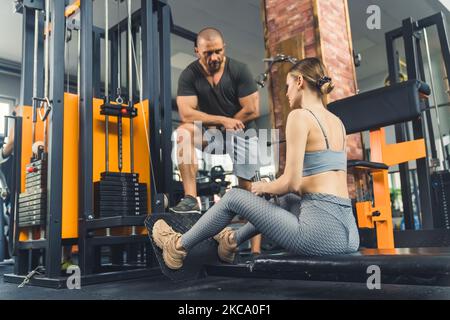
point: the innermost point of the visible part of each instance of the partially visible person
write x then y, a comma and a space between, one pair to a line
7, 149
219, 92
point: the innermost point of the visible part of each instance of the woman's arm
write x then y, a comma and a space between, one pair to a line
297, 129
8, 147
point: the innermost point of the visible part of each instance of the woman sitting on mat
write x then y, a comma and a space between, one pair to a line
315, 214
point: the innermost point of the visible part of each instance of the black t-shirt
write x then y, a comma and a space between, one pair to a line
223, 99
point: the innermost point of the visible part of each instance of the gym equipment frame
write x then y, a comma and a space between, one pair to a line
73, 221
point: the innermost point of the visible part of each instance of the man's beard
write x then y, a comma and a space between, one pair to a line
214, 67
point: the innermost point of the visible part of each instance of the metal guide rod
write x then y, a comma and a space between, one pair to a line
119, 99
141, 98
140, 78
35, 76
67, 59
119, 58
46, 62
119, 140
108, 230
430, 68
130, 84
79, 64
106, 83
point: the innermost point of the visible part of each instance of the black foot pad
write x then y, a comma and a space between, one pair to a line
202, 254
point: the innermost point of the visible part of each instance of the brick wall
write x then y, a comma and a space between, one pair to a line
326, 33
286, 18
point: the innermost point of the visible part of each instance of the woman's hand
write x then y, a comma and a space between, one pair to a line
259, 188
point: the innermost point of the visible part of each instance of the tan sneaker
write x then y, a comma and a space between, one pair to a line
227, 248
166, 239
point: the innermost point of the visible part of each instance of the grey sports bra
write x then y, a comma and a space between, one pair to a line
325, 160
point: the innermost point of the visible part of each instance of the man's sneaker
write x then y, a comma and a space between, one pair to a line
188, 204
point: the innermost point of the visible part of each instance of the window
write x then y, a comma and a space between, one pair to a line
6, 106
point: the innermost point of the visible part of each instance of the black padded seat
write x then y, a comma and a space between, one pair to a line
414, 266
381, 107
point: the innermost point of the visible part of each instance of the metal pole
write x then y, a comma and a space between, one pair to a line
2, 237
108, 230
119, 58
107, 83
26, 82
85, 148
79, 64
130, 84
430, 68
423, 172
46, 62
35, 71
119, 99
166, 97
67, 59
56, 131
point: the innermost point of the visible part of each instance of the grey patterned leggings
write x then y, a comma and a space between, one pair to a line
313, 225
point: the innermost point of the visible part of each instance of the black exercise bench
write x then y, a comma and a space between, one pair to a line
417, 266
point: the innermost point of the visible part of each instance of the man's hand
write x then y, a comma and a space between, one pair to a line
232, 124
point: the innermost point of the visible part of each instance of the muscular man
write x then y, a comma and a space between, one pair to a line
219, 92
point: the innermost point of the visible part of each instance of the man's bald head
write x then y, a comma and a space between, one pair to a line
210, 49
209, 34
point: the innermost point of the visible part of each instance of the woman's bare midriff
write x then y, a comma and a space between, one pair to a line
331, 182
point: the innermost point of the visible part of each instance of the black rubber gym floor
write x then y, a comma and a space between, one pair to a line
219, 288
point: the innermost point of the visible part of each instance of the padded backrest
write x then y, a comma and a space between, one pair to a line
381, 107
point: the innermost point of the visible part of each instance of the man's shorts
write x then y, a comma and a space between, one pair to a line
242, 147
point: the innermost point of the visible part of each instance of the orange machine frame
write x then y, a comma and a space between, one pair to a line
70, 164
389, 154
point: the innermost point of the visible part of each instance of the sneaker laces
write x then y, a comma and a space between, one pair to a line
167, 234
225, 235
171, 246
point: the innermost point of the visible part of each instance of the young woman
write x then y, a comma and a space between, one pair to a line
315, 214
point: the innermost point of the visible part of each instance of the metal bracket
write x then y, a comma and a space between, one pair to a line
73, 24
262, 78
47, 108
30, 4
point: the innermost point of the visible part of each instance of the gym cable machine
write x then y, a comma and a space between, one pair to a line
39, 256
432, 182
